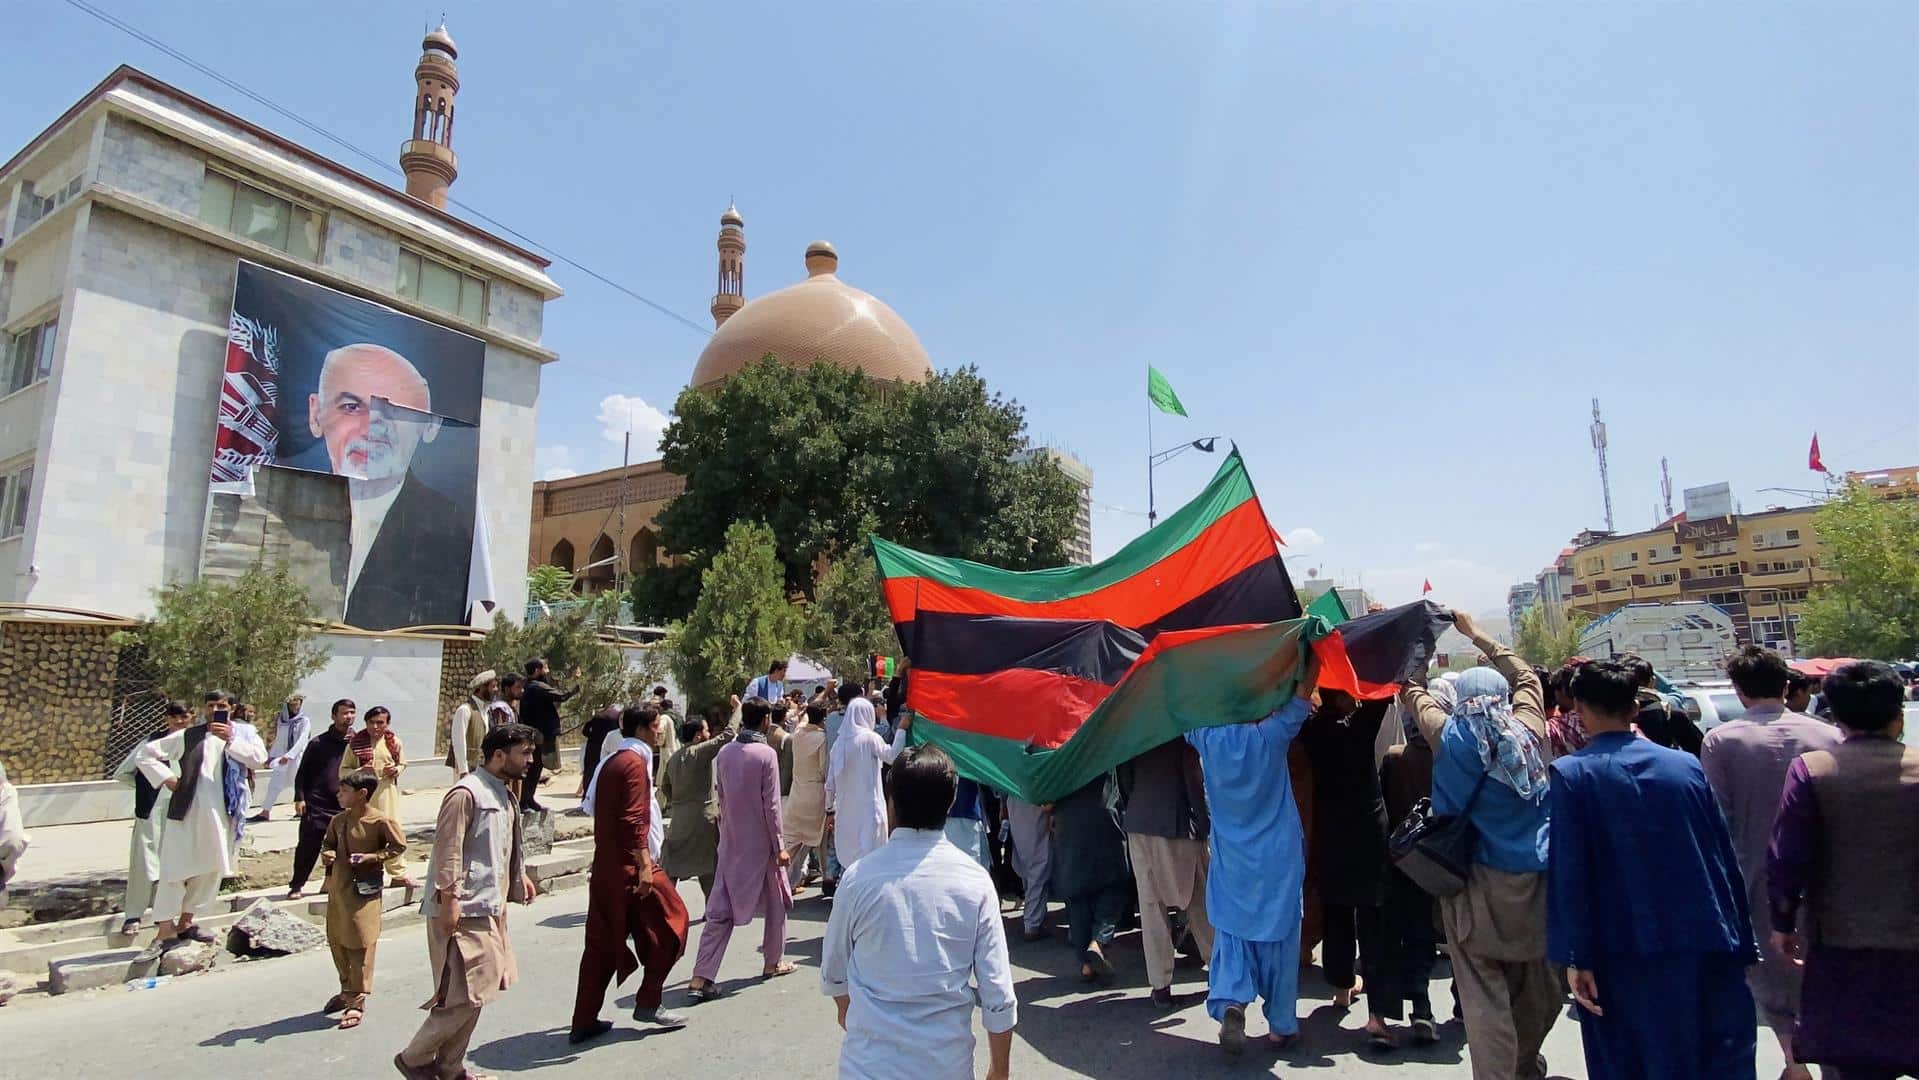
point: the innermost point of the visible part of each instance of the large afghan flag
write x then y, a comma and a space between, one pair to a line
1038, 681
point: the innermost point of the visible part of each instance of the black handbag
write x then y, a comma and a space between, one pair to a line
370, 884
1436, 851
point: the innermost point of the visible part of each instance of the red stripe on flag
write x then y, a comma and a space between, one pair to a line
1240, 538
1026, 705
1336, 671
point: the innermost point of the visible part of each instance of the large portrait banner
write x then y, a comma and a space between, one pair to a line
321, 381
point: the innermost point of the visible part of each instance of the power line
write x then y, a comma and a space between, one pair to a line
236, 87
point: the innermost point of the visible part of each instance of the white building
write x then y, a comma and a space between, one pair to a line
123, 226
1080, 548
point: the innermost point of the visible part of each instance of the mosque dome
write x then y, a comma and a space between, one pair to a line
821, 318
441, 40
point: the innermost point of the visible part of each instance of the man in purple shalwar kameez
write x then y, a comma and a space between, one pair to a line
751, 880
1746, 762
1844, 864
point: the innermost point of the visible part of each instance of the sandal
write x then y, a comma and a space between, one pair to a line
1381, 1041
352, 1019
708, 992
784, 967
333, 1004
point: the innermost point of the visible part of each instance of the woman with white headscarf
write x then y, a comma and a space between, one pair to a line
855, 801
1489, 765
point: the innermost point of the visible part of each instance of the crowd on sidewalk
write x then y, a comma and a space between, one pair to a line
1677, 892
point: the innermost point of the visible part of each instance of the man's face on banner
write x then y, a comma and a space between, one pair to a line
372, 411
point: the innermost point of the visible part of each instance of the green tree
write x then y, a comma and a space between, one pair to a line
743, 619
826, 457
1872, 544
253, 636
576, 646
847, 620
1547, 642
549, 583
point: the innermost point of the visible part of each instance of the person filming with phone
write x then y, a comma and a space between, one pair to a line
204, 767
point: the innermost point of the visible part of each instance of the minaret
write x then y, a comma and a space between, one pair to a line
428, 158
731, 295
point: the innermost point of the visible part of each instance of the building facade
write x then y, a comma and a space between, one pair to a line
1080, 548
1758, 567
1520, 599
125, 224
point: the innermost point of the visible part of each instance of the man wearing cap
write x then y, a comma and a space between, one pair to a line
469, 725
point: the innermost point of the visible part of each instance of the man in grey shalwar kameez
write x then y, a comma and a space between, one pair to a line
1746, 762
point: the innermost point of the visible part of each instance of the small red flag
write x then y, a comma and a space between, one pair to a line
1428, 588
1812, 458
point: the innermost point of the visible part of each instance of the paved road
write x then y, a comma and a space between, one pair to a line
256, 1019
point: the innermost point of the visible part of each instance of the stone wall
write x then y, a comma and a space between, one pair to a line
58, 716
459, 662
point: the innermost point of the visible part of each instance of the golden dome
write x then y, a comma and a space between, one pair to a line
821, 318
441, 40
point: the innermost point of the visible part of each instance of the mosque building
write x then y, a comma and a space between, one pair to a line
601, 525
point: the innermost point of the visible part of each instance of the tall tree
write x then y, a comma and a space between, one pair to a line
1545, 641
826, 457
743, 619
575, 645
847, 620
549, 583
253, 636
1872, 610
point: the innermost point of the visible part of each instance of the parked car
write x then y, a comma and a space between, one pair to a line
1710, 706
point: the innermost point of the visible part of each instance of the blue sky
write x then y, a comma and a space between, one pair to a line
1393, 249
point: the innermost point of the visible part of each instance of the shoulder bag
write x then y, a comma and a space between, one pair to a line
1436, 851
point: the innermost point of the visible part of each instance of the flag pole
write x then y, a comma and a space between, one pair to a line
1152, 514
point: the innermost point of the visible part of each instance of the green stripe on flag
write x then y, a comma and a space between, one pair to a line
1229, 488
1160, 393
1329, 607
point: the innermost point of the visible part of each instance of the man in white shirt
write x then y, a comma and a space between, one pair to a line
290, 738
915, 941
203, 769
771, 686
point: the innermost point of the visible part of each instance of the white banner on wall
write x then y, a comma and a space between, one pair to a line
401, 673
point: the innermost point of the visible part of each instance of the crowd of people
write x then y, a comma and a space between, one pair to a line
1674, 890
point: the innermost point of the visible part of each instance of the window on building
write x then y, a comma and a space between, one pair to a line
257, 215
14, 488
1715, 547
29, 356
1724, 599
1666, 578
1792, 536
34, 206
1595, 565
438, 285
1793, 596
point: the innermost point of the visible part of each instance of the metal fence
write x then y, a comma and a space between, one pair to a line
139, 707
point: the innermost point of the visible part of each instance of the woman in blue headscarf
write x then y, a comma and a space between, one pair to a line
1489, 765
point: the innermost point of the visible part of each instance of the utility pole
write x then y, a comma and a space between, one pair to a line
1599, 448
1665, 484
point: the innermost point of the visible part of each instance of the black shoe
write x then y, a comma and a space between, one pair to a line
660, 1018
198, 933
1232, 1030
586, 1034
1163, 997
1425, 1032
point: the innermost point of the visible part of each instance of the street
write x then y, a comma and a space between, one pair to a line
257, 1019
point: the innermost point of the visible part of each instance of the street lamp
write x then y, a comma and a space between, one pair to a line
1203, 445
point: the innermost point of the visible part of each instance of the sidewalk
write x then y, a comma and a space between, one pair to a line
99, 849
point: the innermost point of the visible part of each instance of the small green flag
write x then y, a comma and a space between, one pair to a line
1160, 393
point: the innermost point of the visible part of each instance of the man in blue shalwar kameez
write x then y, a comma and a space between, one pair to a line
1646, 907
1257, 868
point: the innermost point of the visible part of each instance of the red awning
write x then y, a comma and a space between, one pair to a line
1822, 667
